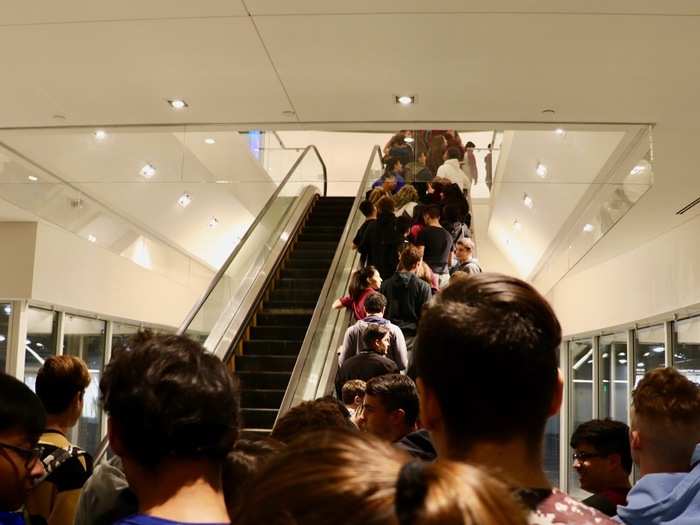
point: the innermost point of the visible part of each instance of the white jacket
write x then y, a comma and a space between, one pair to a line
451, 171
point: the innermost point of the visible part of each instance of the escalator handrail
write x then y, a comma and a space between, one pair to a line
323, 300
224, 268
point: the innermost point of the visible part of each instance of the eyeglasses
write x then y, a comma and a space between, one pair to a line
30, 455
583, 456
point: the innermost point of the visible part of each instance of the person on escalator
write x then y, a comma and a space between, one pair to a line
370, 212
363, 282
173, 418
383, 238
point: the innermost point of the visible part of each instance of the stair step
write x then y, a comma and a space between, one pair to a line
290, 304
271, 347
320, 237
283, 319
322, 256
317, 245
261, 363
263, 380
285, 294
279, 333
303, 273
300, 283
262, 398
307, 264
259, 417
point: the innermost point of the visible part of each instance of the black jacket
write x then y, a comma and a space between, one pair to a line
405, 294
365, 366
380, 244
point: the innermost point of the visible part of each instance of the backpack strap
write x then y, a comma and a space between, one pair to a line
59, 456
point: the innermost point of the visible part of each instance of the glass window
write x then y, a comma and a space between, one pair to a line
551, 450
613, 374
5, 313
686, 352
85, 338
581, 359
121, 333
649, 352
40, 343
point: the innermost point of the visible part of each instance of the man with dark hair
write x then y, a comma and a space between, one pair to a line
664, 437
310, 416
375, 305
22, 420
406, 294
438, 244
370, 212
352, 394
603, 462
475, 328
451, 170
173, 418
371, 361
60, 385
390, 407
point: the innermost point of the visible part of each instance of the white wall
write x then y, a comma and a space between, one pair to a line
660, 276
17, 262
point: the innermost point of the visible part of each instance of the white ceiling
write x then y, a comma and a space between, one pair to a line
339, 63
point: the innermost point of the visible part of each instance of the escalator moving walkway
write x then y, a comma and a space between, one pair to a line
265, 365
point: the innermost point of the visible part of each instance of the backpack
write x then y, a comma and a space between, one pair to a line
56, 458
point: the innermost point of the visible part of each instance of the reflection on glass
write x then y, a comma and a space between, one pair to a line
686, 353
40, 343
613, 371
5, 313
85, 338
581, 359
121, 333
551, 450
650, 350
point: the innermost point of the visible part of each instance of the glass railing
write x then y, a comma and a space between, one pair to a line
315, 368
242, 268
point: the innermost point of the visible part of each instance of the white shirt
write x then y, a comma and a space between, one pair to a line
451, 171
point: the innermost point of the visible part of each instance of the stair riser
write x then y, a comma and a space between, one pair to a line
278, 333
283, 320
300, 284
262, 398
258, 418
258, 363
255, 381
271, 348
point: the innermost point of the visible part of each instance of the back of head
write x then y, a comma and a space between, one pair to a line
366, 208
470, 144
466, 243
385, 206
371, 334
666, 410
432, 212
405, 195
409, 259
396, 392
359, 281
21, 410
375, 303
168, 398
310, 416
453, 153
58, 381
606, 437
447, 492
487, 348
353, 389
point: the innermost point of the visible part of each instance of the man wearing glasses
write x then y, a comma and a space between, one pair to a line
603, 461
22, 421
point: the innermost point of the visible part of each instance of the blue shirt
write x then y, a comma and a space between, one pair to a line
142, 519
11, 518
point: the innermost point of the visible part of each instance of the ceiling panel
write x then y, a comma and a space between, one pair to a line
13, 12
276, 7
123, 72
484, 67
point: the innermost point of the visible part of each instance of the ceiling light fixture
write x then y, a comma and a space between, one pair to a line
560, 131
213, 222
148, 171
658, 349
527, 201
222, 182
92, 238
33, 178
177, 103
100, 134
517, 226
405, 100
408, 139
588, 227
184, 200
209, 141
637, 169
541, 170
622, 361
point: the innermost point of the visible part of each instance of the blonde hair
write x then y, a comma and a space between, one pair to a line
405, 195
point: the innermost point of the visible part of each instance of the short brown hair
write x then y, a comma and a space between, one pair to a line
385, 205
410, 257
309, 416
59, 379
352, 389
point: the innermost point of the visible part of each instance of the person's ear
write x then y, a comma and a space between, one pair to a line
430, 411
558, 395
357, 401
614, 460
397, 417
635, 440
115, 441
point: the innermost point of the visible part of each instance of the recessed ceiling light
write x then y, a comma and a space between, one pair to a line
527, 201
517, 226
33, 178
2, 338
541, 170
100, 134
622, 361
588, 227
177, 103
222, 181
184, 200
560, 131
209, 140
213, 222
637, 169
92, 238
408, 139
148, 171
405, 100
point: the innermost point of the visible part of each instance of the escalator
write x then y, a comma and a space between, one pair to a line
269, 353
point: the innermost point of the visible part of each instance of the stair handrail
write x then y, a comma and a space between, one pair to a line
224, 268
323, 303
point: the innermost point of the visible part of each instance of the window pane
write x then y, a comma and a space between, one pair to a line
40, 343
649, 351
581, 359
686, 356
613, 370
121, 333
5, 313
84, 338
551, 450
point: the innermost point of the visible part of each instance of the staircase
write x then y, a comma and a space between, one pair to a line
265, 366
